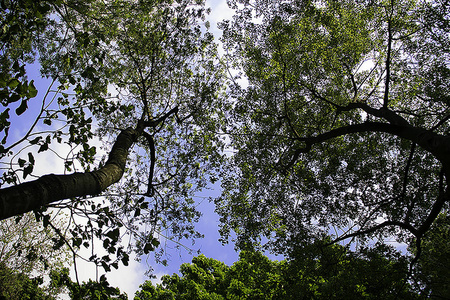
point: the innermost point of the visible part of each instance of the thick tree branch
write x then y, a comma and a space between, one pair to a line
435, 210
50, 188
383, 113
151, 144
154, 123
436, 144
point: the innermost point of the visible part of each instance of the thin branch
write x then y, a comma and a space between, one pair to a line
151, 144
58, 232
355, 89
440, 123
360, 232
416, 257
388, 66
405, 181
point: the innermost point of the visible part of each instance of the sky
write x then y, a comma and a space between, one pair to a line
128, 278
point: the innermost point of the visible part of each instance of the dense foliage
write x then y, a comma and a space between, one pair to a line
98, 290
15, 285
145, 73
338, 120
433, 270
27, 249
320, 273
343, 126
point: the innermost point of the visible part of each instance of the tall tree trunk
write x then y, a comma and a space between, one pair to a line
47, 189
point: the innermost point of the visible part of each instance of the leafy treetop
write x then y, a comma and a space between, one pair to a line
140, 77
330, 274
343, 124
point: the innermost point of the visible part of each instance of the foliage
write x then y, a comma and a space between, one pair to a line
26, 246
87, 290
28, 249
22, 23
343, 125
141, 77
18, 286
320, 273
433, 266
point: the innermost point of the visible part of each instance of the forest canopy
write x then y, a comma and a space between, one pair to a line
343, 126
331, 274
322, 118
141, 79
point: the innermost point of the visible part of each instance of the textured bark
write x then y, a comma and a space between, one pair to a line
50, 188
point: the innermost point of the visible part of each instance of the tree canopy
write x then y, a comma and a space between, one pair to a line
343, 125
141, 78
28, 254
15, 285
331, 274
433, 270
338, 120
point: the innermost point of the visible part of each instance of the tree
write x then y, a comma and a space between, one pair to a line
330, 274
343, 124
27, 249
15, 285
87, 290
144, 72
432, 272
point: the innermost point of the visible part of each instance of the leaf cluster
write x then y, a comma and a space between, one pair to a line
319, 273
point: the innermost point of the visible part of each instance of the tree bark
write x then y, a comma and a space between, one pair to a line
50, 188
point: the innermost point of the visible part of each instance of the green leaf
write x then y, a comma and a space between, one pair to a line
31, 158
21, 162
113, 234
155, 242
44, 147
22, 108
35, 140
27, 171
125, 259
105, 266
148, 247
14, 98
32, 91
13, 83
4, 116
137, 212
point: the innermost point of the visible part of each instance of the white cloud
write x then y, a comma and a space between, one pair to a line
219, 12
